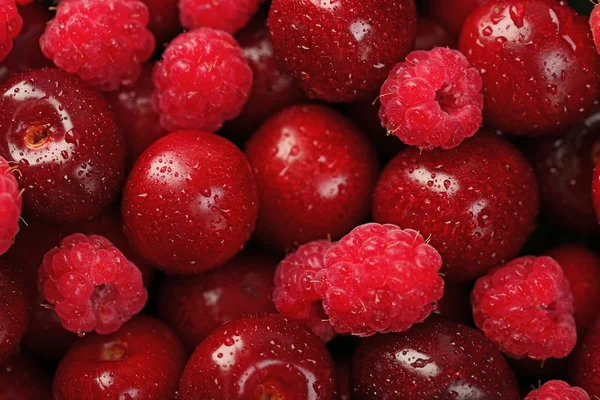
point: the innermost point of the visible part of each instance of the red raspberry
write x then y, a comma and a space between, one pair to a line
595, 25
10, 206
526, 308
105, 42
10, 26
379, 278
295, 295
557, 390
91, 284
203, 81
226, 15
432, 99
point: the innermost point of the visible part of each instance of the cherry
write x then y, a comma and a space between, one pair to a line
477, 202
142, 360
430, 34
315, 174
22, 378
164, 20
538, 63
194, 306
190, 202
14, 311
65, 142
596, 190
359, 43
261, 357
451, 14
437, 359
584, 365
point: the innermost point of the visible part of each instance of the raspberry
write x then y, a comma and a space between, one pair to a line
526, 308
226, 15
295, 295
432, 99
557, 390
595, 25
10, 206
91, 284
379, 278
10, 26
105, 42
203, 80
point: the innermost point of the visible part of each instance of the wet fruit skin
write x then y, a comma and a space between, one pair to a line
14, 311
66, 143
164, 20
315, 172
478, 202
261, 357
584, 366
537, 56
359, 42
451, 14
22, 378
194, 306
190, 202
143, 360
437, 359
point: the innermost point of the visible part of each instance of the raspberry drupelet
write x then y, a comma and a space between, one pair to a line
104, 42
432, 99
595, 25
225, 15
91, 284
10, 206
379, 278
295, 295
10, 26
526, 308
557, 390
202, 81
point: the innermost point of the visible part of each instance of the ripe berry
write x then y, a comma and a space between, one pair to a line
10, 206
430, 34
22, 378
359, 42
315, 173
202, 81
478, 202
142, 360
190, 202
379, 278
584, 366
263, 357
432, 99
557, 390
91, 284
538, 64
595, 25
104, 42
451, 14
195, 305
526, 308
66, 143
10, 27
437, 359
164, 20
225, 15
14, 312
295, 294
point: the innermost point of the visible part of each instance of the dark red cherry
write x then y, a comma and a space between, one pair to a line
451, 14
14, 311
22, 378
164, 20
584, 362
430, 34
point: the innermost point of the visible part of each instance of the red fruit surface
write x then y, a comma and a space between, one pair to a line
477, 203
315, 172
194, 306
596, 190
430, 34
564, 168
262, 357
164, 20
190, 202
66, 143
451, 14
225, 15
536, 56
342, 374
584, 366
22, 378
143, 360
359, 43
437, 359
14, 312
557, 390
11, 26
10, 206
24, 2
595, 25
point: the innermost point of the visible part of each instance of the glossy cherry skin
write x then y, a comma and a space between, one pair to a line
14, 311
538, 63
66, 143
437, 359
564, 168
164, 20
22, 378
190, 202
584, 362
142, 360
477, 202
451, 14
315, 172
194, 306
255, 358
430, 34
359, 43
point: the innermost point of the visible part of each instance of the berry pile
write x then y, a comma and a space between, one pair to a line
299, 199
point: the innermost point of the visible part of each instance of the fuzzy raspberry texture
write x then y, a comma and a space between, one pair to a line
91, 284
295, 295
10, 26
595, 25
557, 390
432, 99
10, 206
526, 308
226, 15
379, 278
105, 42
